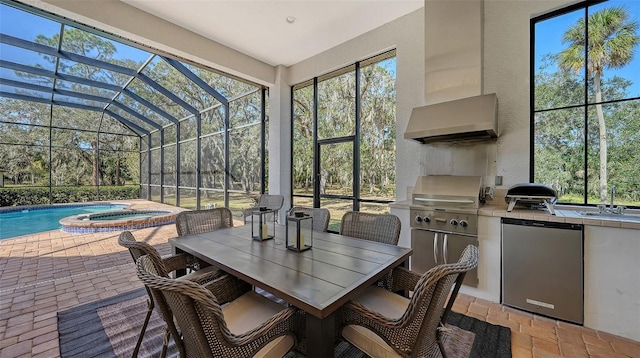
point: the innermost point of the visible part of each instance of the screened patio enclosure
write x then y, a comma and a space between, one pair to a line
84, 108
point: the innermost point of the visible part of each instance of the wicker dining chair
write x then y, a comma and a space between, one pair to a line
384, 324
269, 201
164, 267
383, 228
320, 216
225, 318
199, 221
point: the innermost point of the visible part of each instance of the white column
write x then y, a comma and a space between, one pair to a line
279, 146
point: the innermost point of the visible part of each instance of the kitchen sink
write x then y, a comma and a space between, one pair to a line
610, 216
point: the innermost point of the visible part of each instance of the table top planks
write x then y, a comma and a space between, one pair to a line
317, 281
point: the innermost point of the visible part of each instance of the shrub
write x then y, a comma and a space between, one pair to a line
16, 196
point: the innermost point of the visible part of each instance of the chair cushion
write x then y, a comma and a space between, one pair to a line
384, 302
251, 310
277, 348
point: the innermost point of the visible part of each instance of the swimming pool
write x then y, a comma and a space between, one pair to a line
32, 219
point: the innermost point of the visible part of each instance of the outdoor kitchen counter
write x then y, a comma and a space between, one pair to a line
564, 213
611, 265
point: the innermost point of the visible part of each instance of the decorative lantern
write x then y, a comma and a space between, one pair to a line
263, 224
299, 232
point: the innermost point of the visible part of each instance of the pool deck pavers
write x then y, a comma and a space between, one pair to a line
52, 271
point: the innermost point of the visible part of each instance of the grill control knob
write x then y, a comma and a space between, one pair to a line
453, 222
418, 219
464, 223
426, 219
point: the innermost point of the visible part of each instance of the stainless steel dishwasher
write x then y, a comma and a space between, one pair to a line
542, 268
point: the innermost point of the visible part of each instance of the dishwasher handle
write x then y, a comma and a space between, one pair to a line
545, 224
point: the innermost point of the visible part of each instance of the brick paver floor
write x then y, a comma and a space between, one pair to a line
52, 271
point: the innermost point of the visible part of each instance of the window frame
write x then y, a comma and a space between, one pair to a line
356, 198
585, 105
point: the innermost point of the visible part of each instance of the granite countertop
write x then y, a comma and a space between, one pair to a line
563, 213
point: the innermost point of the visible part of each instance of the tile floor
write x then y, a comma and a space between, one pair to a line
53, 271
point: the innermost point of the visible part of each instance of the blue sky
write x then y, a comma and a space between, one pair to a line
12, 22
549, 40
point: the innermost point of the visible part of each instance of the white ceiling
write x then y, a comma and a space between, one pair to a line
259, 28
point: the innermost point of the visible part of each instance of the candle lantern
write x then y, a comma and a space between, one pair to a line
263, 224
299, 232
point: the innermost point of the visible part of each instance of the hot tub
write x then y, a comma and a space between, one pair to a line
118, 220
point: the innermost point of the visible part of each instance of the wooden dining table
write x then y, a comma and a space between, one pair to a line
317, 281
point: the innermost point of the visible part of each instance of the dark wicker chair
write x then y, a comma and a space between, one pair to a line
383, 228
320, 216
397, 326
224, 318
271, 202
199, 221
164, 266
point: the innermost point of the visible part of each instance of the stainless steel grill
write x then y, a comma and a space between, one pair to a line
444, 220
446, 203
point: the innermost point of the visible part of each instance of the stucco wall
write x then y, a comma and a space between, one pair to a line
453, 70
506, 72
453, 50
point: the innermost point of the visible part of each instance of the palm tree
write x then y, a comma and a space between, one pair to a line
611, 44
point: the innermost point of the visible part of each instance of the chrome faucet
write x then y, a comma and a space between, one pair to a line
613, 193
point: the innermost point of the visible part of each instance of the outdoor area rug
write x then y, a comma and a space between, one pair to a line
110, 328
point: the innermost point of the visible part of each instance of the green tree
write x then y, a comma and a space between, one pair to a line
610, 44
336, 120
560, 137
85, 151
94, 148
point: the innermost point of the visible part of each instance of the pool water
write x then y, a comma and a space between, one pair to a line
33, 220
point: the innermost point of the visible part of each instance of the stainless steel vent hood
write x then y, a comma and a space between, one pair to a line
463, 119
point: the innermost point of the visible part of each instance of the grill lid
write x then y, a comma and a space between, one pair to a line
447, 191
532, 195
531, 190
